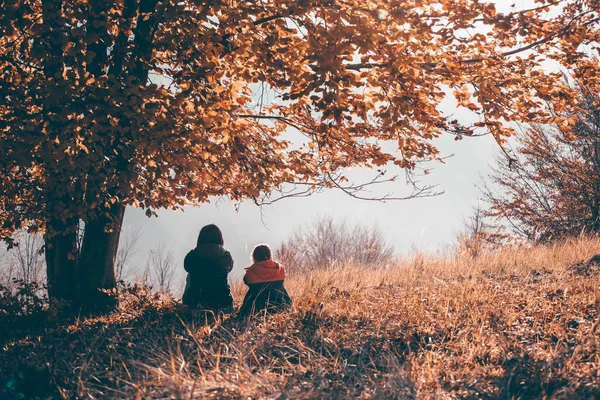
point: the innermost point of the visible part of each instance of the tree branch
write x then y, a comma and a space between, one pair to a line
361, 66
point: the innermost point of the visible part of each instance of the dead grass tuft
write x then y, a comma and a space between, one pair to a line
520, 323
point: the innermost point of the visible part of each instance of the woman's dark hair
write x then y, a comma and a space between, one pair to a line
210, 234
262, 252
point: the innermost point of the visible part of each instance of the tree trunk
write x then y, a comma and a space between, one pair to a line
63, 194
101, 237
595, 216
97, 260
596, 201
61, 260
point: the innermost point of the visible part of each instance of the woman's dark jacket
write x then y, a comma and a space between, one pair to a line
208, 266
266, 290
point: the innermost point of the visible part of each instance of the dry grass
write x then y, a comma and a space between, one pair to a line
517, 324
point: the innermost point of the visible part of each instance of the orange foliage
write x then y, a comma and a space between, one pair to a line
549, 187
159, 104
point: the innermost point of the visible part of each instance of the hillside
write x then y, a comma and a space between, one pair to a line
516, 324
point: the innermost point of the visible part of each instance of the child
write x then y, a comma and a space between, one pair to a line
265, 284
208, 266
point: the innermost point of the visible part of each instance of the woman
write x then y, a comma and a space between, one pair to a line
208, 266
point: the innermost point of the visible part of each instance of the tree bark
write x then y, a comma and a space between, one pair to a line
61, 260
96, 27
146, 24
97, 260
596, 201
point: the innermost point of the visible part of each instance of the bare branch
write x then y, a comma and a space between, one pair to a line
161, 265
127, 250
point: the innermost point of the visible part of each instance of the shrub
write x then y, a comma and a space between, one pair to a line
328, 242
23, 299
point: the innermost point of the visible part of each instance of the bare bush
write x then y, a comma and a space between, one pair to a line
548, 187
477, 235
127, 250
328, 242
24, 261
7, 268
161, 267
29, 256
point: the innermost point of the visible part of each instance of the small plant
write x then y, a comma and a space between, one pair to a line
23, 299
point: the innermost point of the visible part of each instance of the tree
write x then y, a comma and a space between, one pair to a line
161, 265
549, 187
24, 260
479, 234
28, 257
328, 242
7, 268
154, 103
472, 239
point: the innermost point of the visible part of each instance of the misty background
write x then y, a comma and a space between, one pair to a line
429, 224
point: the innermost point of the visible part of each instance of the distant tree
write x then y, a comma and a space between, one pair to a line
29, 257
24, 260
472, 239
6, 269
161, 267
328, 242
549, 186
480, 234
127, 250
158, 104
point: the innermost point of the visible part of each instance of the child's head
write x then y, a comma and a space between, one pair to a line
210, 234
262, 252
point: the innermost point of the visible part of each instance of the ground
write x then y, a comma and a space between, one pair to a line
519, 323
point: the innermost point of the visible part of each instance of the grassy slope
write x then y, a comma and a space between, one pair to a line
518, 323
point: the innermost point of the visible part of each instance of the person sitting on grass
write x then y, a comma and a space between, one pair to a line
264, 279
207, 266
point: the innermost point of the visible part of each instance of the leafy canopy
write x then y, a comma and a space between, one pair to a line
548, 187
164, 103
